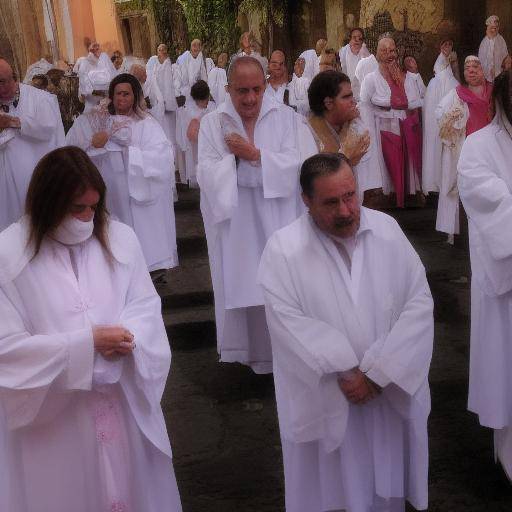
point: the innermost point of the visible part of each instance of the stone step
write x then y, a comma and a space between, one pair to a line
191, 239
190, 328
188, 285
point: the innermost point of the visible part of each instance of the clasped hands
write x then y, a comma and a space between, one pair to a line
242, 148
113, 341
359, 389
7, 121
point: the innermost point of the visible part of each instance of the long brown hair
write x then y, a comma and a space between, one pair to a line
59, 177
138, 96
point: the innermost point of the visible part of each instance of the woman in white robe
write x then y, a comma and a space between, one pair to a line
493, 49
84, 355
485, 186
134, 157
298, 88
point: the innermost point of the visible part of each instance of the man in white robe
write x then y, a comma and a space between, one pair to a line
485, 187
493, 49
136, 162
193, 68
277, 82
152, 94
353, 52
248, 175
312, 58
390, 105
94, 76
445, 79
83, 432
352, 344
30, 127
218, 80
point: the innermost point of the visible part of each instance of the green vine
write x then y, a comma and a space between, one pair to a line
266, 9
214, 22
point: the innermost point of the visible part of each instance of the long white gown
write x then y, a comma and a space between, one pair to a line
485, 187
326, 318
83, 433
443, 82
349, 59
312, 67
137, 166
217, 81
94, 74
242, 204
298, 88
20, 149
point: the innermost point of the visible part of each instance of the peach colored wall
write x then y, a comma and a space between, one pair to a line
106, 26
83, 24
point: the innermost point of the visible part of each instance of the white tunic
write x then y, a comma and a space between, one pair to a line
349, 59
136, 164
41, 67
84, 433
378, 115
312, 67
152, 91
298, 88
491, 53
192, 70
485, 187
242, 205
325, 319
20, 149
364, 66
94, 75
442, 83
217, 81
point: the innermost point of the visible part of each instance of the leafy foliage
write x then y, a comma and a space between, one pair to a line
214, 22
266, 9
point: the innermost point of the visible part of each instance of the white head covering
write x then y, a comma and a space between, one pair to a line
492, 20
470, 58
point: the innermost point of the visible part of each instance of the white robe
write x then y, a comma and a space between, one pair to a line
375, 100
192, 70
298, 88
94, 75
349, 59
242, 205
84, 433
447, 219
485, 187
312, 67
276, 94
491, 54
364, 66
20, 149
186, 114
217, 81
41, 67
325, 320
442, 83
136, 164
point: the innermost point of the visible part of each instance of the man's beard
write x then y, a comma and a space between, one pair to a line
394, 71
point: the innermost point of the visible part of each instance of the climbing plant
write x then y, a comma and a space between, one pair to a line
214, 22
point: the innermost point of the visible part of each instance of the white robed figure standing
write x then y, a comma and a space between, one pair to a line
445, 80
135, 159
218, 80
312, 58
193, 68
485, 187
30, 127
84, 355
95, 74
298, 88
41, 67
352, 344
365, 66
493, 49
353, 52
248, 175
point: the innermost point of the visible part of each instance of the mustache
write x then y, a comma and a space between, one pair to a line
342, 222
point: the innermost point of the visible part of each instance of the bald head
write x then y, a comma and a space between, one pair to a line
241, 64
386, 50
139, 72
195, 47
277, 66
8, 83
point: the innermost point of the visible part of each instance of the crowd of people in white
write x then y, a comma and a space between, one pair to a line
311, 281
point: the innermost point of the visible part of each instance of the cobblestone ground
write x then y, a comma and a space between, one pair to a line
223, 426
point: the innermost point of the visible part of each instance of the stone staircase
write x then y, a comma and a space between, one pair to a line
187, 298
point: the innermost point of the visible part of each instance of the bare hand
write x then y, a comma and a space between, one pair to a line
355, 148
359, 389
99, 139
242, 148
7, 121
112, 340
193, 130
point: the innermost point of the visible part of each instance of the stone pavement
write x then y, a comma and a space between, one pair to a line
222, 418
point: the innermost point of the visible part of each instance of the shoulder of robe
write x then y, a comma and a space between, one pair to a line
482, 141
123, 241
14, 253
292, 238
383, 226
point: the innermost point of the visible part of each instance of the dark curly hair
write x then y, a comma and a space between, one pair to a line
325, 85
